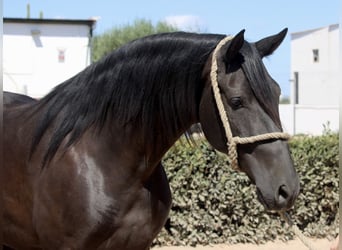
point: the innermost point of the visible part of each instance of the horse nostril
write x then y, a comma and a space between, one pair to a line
282, 194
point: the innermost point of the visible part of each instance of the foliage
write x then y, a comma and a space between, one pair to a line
214, 204
285, 100
316, 160
118, 36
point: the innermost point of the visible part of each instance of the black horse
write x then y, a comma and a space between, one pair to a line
82, 166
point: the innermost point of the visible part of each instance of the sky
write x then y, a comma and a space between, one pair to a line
260, 18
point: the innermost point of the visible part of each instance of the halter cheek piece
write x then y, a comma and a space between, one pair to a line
232, 141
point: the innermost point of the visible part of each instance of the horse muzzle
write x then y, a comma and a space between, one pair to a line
281, 199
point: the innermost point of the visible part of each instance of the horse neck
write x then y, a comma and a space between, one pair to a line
153, 86
168, 86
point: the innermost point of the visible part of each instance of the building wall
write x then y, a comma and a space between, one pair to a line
318, 82
315, 96
309, 119
38, 56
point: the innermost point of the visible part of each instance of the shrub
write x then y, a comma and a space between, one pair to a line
317, 161
214, 204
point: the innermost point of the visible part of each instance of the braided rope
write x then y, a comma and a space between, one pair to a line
296, 230
233, 141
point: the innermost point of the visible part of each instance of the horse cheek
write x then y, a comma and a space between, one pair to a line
210, 121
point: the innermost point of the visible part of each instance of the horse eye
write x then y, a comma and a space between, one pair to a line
236, 102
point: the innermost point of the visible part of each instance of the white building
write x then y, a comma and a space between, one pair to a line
315, 66
39, 54
315, 87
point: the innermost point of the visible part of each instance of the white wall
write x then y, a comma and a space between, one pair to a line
309, 119
31, 55
318, 81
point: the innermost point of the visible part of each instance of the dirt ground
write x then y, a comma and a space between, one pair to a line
318, 244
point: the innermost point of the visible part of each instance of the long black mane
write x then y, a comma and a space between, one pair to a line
142, 82
151, 83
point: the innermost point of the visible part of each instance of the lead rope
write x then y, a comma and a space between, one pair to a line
232, 141
286, 217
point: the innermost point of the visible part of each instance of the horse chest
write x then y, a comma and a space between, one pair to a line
95, 212
140, 222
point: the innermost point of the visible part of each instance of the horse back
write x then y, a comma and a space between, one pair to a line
13, 99
17, 182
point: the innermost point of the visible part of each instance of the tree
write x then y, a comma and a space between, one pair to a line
116, 37
284, 100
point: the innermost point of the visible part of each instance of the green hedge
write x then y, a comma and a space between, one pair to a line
214, 204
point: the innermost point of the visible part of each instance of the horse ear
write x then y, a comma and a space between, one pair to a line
234, 47
269, 44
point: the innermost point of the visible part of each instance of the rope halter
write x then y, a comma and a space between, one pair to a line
232, 141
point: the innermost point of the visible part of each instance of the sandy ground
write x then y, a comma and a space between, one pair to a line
318, 244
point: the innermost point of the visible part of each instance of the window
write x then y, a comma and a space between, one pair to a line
61, 56
315, 53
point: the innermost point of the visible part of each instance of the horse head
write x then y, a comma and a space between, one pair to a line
250, 98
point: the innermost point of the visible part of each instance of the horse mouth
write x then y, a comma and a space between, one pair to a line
262, 200
269, 204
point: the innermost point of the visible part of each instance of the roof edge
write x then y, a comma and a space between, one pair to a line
88, 22
315, 29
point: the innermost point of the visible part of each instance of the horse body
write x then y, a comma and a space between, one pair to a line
107, 189
86, 205
82, 166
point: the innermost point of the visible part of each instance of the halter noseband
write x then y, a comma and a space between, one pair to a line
232, 141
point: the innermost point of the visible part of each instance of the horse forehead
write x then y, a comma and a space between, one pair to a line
236, 80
